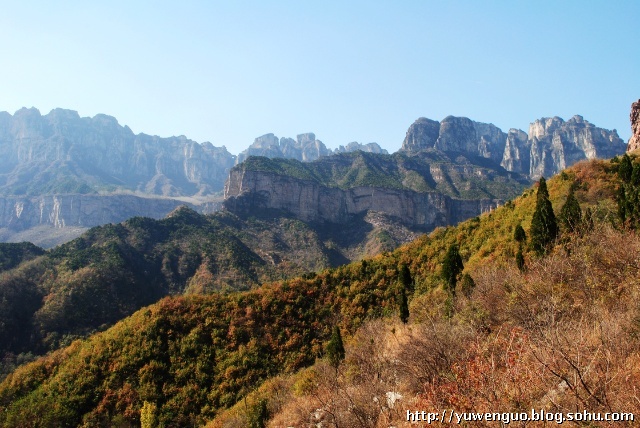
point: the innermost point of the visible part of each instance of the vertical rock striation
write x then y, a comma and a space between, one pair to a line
305, 148
634, 141
551, 145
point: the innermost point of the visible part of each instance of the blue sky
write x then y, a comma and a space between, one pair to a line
227, 72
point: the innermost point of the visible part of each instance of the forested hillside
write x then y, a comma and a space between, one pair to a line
492, 323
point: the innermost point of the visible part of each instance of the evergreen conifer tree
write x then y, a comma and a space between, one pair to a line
467, 284
258, 414
635, 175
587, 221
520, 260
571, 214
621, 197
625, 169
519, 234
544, 228
451, 268
405, 278
404, 306
335, 348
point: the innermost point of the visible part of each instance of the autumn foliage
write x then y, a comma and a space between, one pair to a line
562, 334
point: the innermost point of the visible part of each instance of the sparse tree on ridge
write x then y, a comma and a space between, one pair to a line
404, 306
451, 268
544, 227
335, 348
405, 278
571, 214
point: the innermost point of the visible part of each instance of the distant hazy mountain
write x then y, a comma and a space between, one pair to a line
429, 189
64, 153
61, 174
304, 148
551, 145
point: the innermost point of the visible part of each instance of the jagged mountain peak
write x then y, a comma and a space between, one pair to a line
634, 117
551, 145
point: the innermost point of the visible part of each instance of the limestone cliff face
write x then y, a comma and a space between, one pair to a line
556, 144
305, 148
248, 192
517, 151
422, 134
59, 211
551, 145
634, 141
61, 153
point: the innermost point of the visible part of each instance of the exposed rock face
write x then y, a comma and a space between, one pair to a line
556, 144
51, 220
248, 192
305, 148
517, 151
551, 145
367, 148
422, 134
59, 211
72, 160
63, 153
634, 141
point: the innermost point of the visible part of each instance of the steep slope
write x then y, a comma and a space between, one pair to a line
305, 148
60, 156
48, 299
64, 153
54, 219
184, 359
634, 117
551, 145
430, 189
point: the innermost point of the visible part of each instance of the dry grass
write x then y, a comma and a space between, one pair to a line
563, 336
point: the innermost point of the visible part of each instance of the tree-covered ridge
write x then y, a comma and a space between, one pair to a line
12, 254
111, 271
193, 355
454, 174
561, 335
190, 357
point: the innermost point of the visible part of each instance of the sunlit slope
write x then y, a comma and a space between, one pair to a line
189, 357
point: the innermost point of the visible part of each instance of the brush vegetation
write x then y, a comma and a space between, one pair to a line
562, 334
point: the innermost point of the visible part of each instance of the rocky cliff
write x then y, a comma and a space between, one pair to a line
250, 192
550, 146
56, 170
423, 191
63, 153
59, 211
304, 148
634, 141
76, 213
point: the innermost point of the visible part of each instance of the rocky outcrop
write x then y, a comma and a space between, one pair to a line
58, 211
62, 153
367, 148
556, 144
551, 145
248, 192
422, 134
517, 151
305, 148
634, 141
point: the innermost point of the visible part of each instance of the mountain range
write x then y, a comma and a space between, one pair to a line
61, 174
235, 340
504, 335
